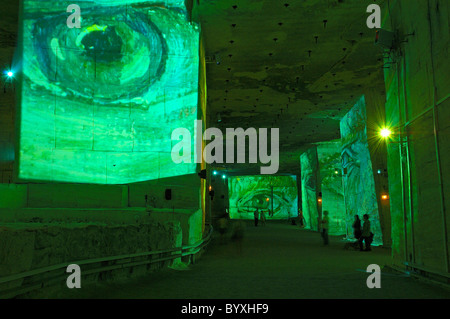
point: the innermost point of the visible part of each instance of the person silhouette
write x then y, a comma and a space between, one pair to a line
357, 228
223, 223
262, 217
325, 226
300, 218
238, 234
366, 234
256, 216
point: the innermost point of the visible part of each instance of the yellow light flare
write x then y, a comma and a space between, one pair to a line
385, 132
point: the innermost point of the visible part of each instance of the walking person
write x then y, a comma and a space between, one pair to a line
300, 217
262, 217
325, 226
223, 228
238, 235
256, 216
357, 228
366, 234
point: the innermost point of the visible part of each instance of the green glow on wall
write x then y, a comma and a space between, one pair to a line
359, 183
99, 103
309, 164
247, 193
331, 187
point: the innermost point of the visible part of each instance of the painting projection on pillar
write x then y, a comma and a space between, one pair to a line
358, 180
99, 102
275, 193
330, 176
309, 164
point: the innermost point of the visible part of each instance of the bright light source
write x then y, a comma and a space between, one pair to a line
224, 176
267, 199
385, 132
214, 172
384, 197
336, 172
319, 200
10, 74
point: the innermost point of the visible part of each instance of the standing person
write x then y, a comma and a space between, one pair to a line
223, 228
325, 226
238, 234
366, 234
357, 227
262, 217
300, 216
256, 216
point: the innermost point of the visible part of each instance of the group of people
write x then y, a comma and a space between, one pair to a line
260, 215
363, 235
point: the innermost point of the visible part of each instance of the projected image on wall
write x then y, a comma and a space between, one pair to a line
99, 102
309, 164
277, 194
359, 183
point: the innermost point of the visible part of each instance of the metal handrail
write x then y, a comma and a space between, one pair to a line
182, 251
435, 272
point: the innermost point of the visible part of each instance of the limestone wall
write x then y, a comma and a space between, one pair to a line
28, 246
310, 188
185, 194
417, 85
330, 166
359, 183
13, 196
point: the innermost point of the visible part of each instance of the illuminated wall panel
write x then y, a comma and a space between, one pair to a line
309, 164
329, 155
247, 193
359, 184
99, 103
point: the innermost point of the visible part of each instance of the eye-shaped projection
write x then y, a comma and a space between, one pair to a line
274, 193
130, 53
99, 103
262, 199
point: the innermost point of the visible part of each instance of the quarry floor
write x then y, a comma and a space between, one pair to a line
278, 261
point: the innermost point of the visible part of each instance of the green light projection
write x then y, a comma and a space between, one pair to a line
246, 193
330, 174
99, 103
359, 183
309, 163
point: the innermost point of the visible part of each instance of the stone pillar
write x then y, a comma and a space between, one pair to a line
375, 113
417, 86
359, 184
330, 165
310, 188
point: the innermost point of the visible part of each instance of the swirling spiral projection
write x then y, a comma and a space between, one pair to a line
102, 50
99, 103
247, 193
